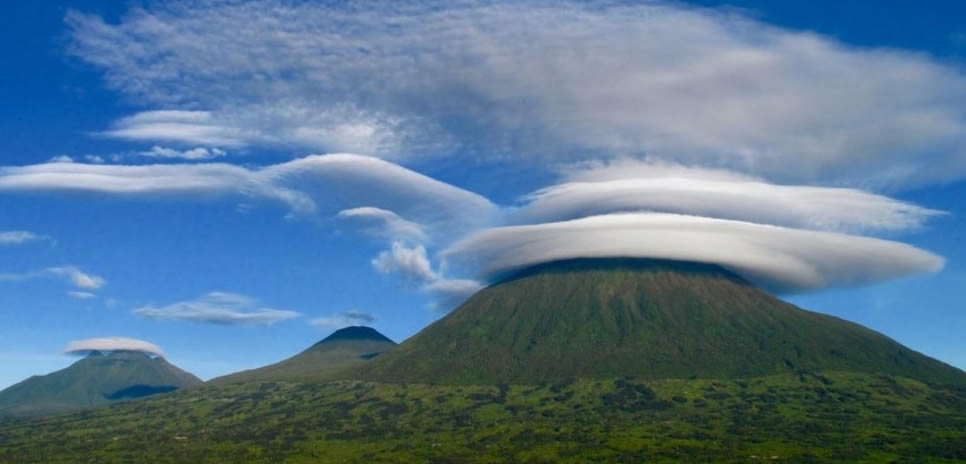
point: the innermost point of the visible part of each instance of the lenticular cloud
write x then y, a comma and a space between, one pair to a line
780, 259
786, 238
87, 346
682, 190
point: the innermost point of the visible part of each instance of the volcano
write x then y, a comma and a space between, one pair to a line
97, 379
344, 348
650, 319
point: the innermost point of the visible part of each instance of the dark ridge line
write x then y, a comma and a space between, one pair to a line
591, 264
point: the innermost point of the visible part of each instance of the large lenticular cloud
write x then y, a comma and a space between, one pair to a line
632, 186
90, 345
780, 259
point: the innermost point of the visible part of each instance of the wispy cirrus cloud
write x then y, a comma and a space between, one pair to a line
562, 80
344, 319
221, 308
80, 295
193, 154
21, 237
71, 274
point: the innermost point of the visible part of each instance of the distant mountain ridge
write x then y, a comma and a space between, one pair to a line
607, 318
97, 379
345, 348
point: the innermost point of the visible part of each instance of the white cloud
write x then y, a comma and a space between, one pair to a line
20, 237
78, 277
120, 179
61, 159
313, 184
541, 79
342, 181
176, 126
414, 266
780, 259
647, 168
450, 293
403, 202
71, 274
194, 154
81, 295
221, 308
386, 224
410, 262
698, 192
345, 319
112, 344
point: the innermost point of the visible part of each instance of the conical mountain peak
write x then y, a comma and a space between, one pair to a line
356, 333
606, 318
345, 348
100, 377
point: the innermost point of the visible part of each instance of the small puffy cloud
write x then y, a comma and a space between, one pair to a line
414, 266
20, 237
89, 345
81, 295
345, 319
71, 274
222, 308
777, 258
410, 262
382, 223
194, 154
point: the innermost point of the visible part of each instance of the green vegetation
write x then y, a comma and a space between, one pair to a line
347, 347
795, 417
95, 380
607, 318
572, 362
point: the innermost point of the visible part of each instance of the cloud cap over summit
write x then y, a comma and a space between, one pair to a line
89, 345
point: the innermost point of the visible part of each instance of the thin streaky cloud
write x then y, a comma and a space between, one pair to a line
219, 308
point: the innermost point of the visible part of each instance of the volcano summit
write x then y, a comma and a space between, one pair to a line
653, 319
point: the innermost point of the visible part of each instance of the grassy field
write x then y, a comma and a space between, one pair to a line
803, 417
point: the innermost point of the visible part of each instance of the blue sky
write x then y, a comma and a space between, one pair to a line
157, 179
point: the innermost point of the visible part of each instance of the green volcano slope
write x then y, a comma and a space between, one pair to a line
608, 318
95, 380
347, 347
573, 362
